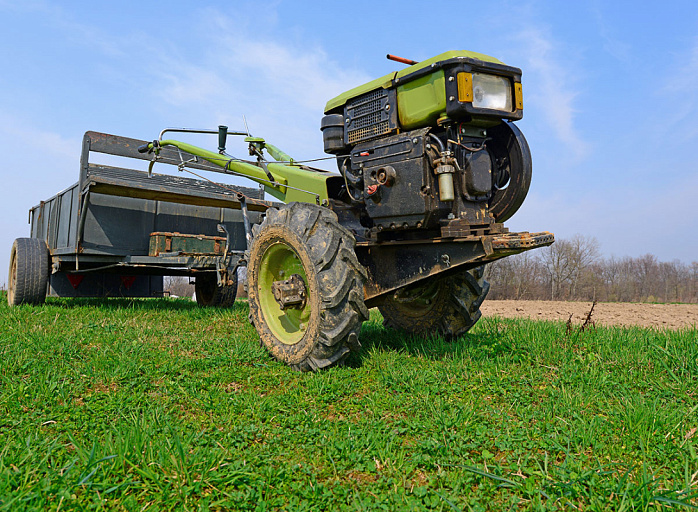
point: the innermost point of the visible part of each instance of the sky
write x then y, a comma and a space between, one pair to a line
610, 99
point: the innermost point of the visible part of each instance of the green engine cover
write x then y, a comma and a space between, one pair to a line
426, 91
421, 101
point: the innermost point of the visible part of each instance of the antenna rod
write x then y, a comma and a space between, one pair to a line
403, 60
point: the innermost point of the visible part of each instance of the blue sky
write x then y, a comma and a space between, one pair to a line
610, 93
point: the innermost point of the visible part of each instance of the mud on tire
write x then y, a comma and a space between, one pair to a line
448, 305
306, 239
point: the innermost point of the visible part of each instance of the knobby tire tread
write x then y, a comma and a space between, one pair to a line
455, 311
340, 279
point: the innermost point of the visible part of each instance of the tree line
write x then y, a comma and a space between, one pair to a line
573, 269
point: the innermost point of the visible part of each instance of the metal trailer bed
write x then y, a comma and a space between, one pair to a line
118, 231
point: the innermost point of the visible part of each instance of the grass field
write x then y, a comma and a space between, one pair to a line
160, 405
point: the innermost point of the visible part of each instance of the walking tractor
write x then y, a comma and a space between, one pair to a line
430, 166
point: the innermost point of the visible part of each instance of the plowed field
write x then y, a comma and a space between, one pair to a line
669, 316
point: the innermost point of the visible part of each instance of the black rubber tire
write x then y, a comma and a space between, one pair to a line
335, 281
29, 272
209, 294
448, 306
509, 148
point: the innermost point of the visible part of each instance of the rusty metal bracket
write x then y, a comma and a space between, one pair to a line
522, 241
245, 220
290, 293
222, 229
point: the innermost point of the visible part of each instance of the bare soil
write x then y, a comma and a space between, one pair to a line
661, 316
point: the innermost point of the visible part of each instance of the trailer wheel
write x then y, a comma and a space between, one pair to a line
209, 294
449, 305
29, 272
305, 286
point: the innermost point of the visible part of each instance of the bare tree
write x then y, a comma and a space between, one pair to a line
646, 277
557, 262
669, 276
525, 275
573, 269
517, 277
178, 286
693, 289
583, 253
501, 272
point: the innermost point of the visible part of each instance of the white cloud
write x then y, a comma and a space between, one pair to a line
58, 16
618, 49
550, 87
677, 97
225, 68
305, 76
687, 71
280, 85
184, 84
48, 149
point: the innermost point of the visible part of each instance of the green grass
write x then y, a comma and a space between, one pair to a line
160, 405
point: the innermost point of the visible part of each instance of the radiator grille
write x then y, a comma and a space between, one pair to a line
367, 120
370, 115
369, 132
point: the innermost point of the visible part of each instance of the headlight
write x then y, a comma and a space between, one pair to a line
491, 92
485, 91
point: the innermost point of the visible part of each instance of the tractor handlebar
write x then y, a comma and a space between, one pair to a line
402, 60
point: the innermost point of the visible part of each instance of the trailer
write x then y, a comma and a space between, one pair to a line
118, 231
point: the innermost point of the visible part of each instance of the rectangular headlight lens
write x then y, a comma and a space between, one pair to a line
491, 92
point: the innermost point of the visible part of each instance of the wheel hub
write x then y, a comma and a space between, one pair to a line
284, 298
290, 293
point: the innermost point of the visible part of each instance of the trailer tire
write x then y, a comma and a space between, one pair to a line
29, 272
448, 305
305, 244
209, 294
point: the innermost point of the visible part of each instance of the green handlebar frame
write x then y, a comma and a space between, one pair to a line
290, 182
